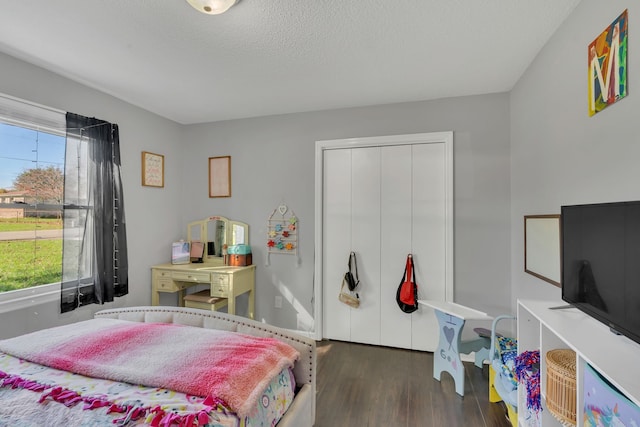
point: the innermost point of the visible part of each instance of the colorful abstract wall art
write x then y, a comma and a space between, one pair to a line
608, 66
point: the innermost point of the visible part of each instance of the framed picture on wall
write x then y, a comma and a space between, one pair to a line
542, 247
152, 169
220, 176
608, 65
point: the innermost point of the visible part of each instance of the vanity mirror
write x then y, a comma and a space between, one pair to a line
214, 232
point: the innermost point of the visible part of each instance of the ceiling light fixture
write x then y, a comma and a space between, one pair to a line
212, 7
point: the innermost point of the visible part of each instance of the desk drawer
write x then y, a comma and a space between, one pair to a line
220, 285
162, 273
219, 291
190, 277
167, 285
220, 279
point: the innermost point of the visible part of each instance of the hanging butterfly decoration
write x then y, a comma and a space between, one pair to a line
282, 231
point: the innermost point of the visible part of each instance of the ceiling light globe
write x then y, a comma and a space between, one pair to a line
212, 7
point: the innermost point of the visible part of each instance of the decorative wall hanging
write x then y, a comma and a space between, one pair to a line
152, 169
220, 176
282, 232
608, 66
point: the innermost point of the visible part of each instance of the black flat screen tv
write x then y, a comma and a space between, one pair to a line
601, 263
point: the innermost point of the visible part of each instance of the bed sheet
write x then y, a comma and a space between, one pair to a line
29, 390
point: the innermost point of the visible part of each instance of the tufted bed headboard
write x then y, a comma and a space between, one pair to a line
301, 413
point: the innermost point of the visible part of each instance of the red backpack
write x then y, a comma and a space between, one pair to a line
407, 294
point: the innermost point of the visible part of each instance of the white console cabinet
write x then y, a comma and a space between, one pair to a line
615, 357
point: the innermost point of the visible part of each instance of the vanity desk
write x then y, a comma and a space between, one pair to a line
224, 281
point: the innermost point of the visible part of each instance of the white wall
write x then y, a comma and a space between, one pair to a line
273, 162
560, 155
527, 152
152, 214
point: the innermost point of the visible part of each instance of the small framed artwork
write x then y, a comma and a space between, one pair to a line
152, 169
220, 176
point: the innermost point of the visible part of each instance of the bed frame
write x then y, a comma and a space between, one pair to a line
302, 411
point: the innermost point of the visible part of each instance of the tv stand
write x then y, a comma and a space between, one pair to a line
614, 357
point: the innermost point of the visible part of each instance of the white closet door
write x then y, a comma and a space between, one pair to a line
352, 201
336, 242
395, 211
428, 219
365, 242
384, 202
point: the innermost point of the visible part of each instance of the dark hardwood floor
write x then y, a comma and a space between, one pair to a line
363, 385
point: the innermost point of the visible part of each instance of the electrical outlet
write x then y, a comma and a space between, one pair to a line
278, 301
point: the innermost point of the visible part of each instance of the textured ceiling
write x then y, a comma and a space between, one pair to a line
267, 57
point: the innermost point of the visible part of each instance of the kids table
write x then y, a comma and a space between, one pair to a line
451, 318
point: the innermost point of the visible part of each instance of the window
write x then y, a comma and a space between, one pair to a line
32, 152
61, 171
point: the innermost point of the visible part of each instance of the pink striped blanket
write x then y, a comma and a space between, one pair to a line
229, 366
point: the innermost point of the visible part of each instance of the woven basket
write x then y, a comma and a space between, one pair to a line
561, 385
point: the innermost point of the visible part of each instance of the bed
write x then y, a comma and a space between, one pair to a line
33, 393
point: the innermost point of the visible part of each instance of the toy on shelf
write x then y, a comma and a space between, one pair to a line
503, 384
507, 368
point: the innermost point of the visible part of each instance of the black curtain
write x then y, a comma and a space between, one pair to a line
94, 257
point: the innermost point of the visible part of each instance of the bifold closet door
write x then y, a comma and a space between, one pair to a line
429, 224
413, 212
336, 213
351, 209
383, 203
396, 213
365, 241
